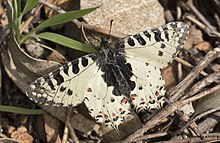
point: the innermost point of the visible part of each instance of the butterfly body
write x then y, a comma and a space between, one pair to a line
121, 74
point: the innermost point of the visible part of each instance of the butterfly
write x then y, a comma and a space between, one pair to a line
120, 78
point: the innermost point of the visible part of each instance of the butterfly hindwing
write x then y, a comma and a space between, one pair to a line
149, 90
64, 86
103, 106
158, 46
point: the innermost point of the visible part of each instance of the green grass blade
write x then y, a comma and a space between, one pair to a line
65, 41
28, 6
64, 17
19, 110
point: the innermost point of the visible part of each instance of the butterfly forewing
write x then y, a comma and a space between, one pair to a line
157, 46
64, 86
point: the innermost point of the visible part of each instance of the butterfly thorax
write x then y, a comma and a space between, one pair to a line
116, 71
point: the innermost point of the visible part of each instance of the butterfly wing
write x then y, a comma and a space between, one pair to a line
103, 106
149, 91
64, 86
158, 46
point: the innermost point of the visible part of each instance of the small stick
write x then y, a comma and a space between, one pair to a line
209, 123
189, 3
184, 84
199, 117
65, 134
150, 136
210, 29
30, 18
214, 77
68, 127
210, 137
49, 48
188, 65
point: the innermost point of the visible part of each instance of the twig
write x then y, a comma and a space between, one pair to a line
198, 117
68, 124
203, 138
188, 65
65, 134
68, 128
180, 72
209, 123
166, 111
183, 85
199, 15
49, 48
150, 136
197, 22
167, 13
30, 18
214, 77
203, 19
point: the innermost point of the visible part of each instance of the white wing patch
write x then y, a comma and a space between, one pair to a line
105, 107
158, 46
64, 86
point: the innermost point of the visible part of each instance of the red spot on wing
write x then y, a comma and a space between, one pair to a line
157, 93
100, 112
120, 109
113, 114
142, 99
133, 96
89, 89
105, 117
124, 100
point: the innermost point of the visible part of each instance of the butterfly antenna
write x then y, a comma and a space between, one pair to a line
111, 23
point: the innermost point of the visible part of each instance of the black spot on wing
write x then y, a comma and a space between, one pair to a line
157, 35
66, 69
162, 46
166, 33
69, 92
75, 66
49, 82
140, 87
173, 25
160, 53
58, 77
62, 88
84, 61
131, 41
146, 33
93, 56
140, 39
